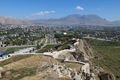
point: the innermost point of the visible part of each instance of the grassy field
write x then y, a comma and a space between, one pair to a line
47, 48
12, 50
19, 74
108, 56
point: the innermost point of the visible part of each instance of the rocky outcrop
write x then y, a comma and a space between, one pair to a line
61, 71
83, 48
105, 76
62, 55
81, 53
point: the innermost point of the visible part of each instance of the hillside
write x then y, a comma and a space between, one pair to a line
67, 64
23, 70
107, 56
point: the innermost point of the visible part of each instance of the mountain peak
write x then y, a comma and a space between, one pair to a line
78, 20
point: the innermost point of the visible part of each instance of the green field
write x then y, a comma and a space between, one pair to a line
108, 56
12, 50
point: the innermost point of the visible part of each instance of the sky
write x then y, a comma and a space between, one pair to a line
44, 9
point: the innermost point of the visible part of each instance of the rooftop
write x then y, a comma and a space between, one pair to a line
2, 53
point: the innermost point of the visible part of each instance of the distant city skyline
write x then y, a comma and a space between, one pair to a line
44, 9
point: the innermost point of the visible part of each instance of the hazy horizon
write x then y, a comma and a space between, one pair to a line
45, 9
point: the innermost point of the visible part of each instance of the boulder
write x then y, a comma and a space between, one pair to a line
1, 71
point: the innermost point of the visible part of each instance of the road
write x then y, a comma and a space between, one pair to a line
101, 39
19, 46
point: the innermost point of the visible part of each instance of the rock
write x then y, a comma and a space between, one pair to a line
1, 70
105, 76
86, 68
43, 66
8, 75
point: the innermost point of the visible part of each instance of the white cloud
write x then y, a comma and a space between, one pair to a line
79, 8
40, 14
43, 13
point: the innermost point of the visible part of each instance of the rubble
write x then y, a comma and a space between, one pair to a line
68, 55
66, 72
1, 70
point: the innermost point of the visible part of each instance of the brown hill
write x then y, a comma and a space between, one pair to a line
8, 20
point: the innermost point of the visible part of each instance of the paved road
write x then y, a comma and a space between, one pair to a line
20, 46
101, 39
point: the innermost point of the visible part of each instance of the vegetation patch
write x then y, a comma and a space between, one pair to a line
12, 50
107, 55
47, 48
21, 73
103, 43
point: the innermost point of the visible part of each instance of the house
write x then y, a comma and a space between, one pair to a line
1, 54
1, 44
4, 55
24, 51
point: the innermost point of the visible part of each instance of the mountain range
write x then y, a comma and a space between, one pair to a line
8, 20
77, 19
74, 19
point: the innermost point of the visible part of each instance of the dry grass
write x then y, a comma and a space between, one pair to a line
30, 64
35, 60
13, 59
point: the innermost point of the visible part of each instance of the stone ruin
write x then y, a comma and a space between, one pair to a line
61, 71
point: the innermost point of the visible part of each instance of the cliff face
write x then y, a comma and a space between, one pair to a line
84, 48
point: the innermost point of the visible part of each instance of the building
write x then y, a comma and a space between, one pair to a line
4, 55
23, 51
1, 44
